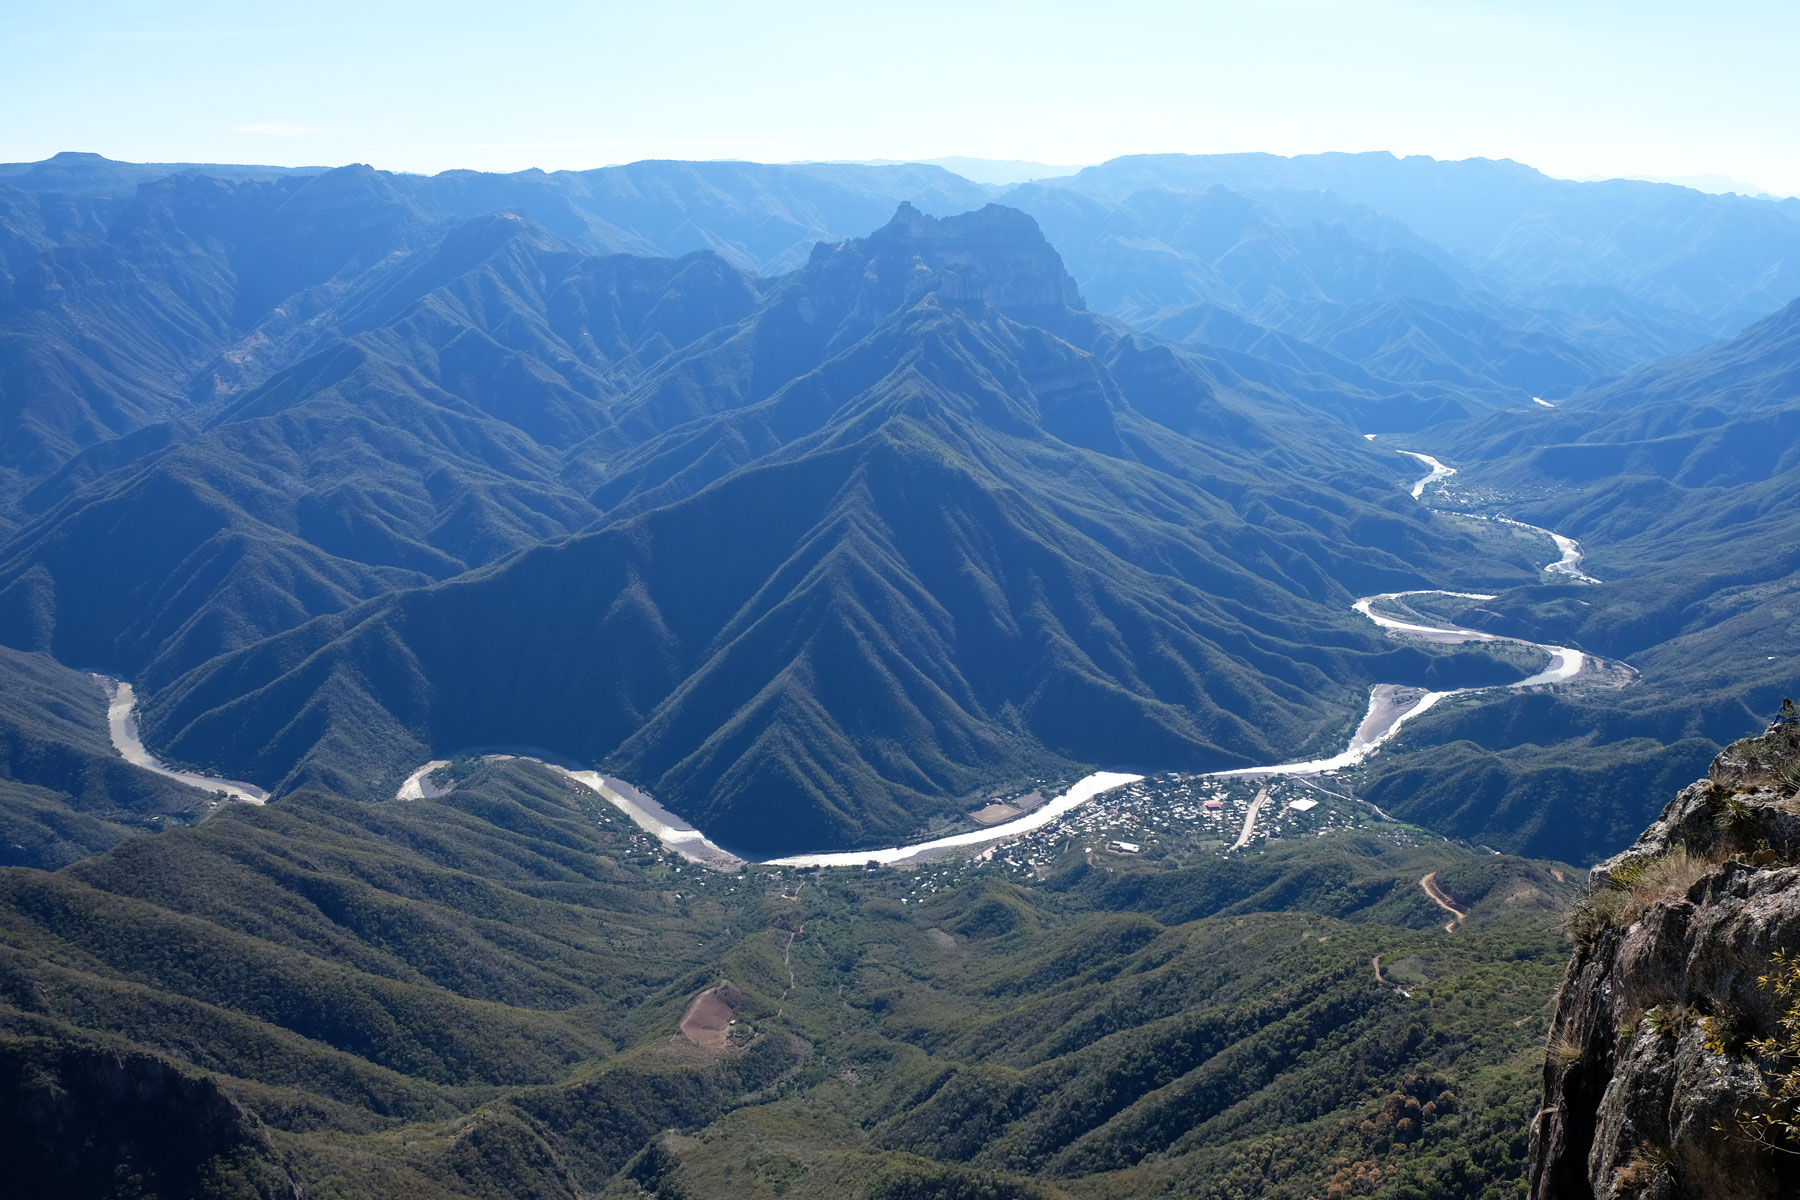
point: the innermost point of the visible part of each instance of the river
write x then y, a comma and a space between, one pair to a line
1390, 707
121, 723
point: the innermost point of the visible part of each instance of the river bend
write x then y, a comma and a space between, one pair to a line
1391, 706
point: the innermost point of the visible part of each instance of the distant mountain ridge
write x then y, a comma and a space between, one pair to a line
1639, 236
1495, 241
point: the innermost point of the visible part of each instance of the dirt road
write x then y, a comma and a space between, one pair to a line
1429, 883
1250, 818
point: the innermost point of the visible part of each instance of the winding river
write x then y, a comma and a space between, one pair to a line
1570, 550
1390, 707
121, 723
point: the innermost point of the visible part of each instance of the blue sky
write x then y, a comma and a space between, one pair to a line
1577, 89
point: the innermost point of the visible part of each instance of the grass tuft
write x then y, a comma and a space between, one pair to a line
1635, 886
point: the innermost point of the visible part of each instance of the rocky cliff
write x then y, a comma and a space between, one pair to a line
1665, 1067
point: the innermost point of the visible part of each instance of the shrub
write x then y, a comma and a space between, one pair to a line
1669, 874
1668, 1020
1774, 1119
1648, 1164
1725, 1033
1593, 914
1732, 810
1633, 887
1563, 1050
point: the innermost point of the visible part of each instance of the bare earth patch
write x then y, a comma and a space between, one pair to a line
995, 813
710, 1016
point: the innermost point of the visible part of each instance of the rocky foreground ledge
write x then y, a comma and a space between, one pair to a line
1659, 1078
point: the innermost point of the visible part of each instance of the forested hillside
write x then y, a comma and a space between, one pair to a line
927, 526
486, 995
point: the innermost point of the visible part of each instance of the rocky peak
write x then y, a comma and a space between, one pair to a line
1652, 1081
995, 257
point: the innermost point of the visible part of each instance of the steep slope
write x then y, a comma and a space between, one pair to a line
83, 173
951, 552
1715, 263
100, 336
122, 313
1159, 248
1760, 367
64, 792
419, 434
75, 1118
1144, 236
763, 218
33, 223
1658, 1080
1679, 481
1413, 340
1361, 287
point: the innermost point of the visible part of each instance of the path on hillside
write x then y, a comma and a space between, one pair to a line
1390, 707
1438, 897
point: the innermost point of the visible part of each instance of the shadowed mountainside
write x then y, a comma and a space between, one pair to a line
919, 536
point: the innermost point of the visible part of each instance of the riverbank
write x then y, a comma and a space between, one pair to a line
122, 724
1391, 706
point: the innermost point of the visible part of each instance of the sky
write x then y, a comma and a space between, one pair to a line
1577, 89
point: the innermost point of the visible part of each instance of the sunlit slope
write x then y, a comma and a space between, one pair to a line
481, 996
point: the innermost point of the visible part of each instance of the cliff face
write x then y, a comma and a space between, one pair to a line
1651, 1074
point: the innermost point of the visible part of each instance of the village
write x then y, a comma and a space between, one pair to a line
1169, 819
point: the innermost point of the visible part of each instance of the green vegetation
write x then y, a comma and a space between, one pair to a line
479, 996
1501, 770
64, 792
994, 534
856, 567
1679, 481
1633, 887
1775, 1120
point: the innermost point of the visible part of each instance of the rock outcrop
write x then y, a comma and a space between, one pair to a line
996, 256
1653, 1084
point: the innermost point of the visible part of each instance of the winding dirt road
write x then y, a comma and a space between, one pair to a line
1439, 898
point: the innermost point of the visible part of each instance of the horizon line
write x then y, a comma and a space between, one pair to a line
1065, 170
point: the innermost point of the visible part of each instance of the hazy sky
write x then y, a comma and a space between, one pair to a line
1575, 88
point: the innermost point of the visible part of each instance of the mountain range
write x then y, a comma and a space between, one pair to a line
829, 504
1678, 478
917, 523
495, 994
820, 532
